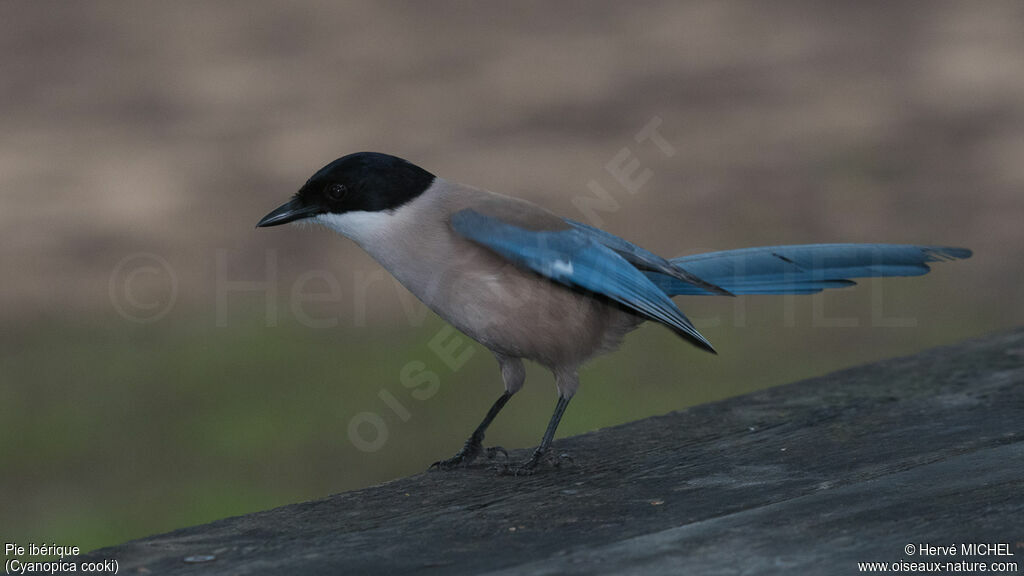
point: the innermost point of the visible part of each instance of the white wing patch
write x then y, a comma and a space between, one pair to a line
562, 267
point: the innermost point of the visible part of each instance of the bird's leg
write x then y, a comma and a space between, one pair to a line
528, 467
474, 445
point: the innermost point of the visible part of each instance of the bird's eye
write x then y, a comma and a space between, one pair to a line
336, 191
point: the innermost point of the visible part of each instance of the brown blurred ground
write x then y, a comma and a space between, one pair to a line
172, 127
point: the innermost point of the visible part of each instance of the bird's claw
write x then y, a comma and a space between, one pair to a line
469, 453
448, 463
464, 457
493, 451
529, 467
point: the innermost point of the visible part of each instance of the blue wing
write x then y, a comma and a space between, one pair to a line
645, 260
573, 258
804, 269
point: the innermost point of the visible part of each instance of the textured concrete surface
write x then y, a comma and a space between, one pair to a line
814, 476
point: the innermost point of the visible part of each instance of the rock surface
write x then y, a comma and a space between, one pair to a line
813, 476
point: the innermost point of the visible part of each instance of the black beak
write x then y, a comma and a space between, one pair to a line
293, 210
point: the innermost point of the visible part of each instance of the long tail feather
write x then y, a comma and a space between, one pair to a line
802, 269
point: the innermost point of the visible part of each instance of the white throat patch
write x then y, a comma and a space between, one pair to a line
362, 227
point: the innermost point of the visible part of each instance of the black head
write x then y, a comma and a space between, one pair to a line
364, 181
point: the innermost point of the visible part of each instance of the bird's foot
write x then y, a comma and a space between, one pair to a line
464, 457
530, 467
493, 451
468, 454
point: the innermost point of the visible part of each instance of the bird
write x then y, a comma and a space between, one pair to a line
530, 285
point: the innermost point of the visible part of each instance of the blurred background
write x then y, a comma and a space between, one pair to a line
163, 363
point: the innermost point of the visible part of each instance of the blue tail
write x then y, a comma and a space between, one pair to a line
804, 269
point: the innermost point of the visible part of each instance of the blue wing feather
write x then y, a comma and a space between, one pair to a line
631, 252
572, 258
646, 260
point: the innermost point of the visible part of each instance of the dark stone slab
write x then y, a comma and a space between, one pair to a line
813, 476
